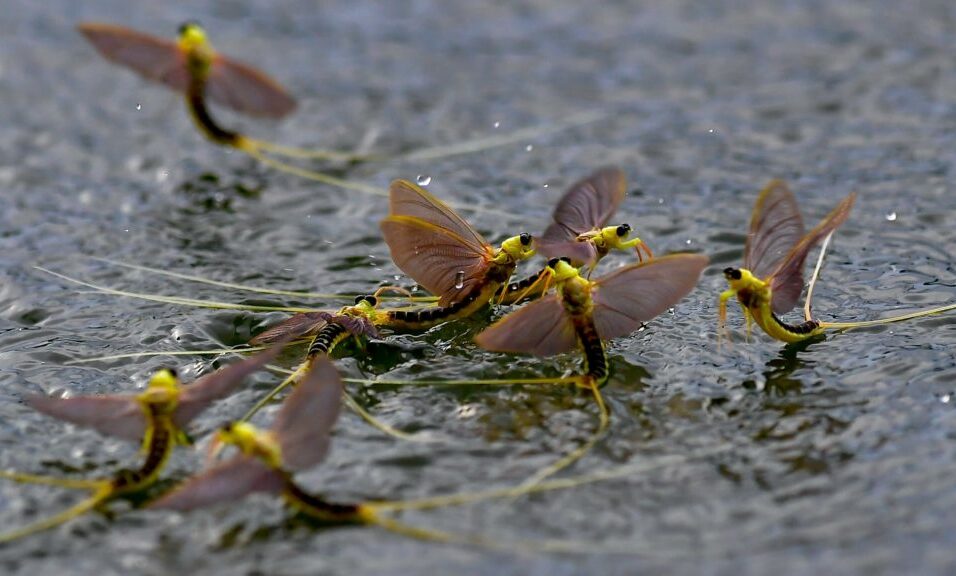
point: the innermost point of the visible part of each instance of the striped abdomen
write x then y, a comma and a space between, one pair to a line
202, 116
160, 447
317, 507
431, 316
327, 339
595, 359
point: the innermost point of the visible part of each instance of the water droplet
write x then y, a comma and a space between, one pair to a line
671, 310
529, 148
891, 217
139, 106
459, 279
711, 130
546, 185
660, 200
688, 242
497, 124
945, 398
397, 277
423, 180
162, 175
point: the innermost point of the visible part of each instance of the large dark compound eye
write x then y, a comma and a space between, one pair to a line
525, 238
553, 262
732, 273
372, 301
187, 25
566, 259
623, 229
227, 427
172, 371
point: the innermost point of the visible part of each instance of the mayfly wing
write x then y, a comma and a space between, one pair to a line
247, 90
408, 199
197, 396
542, 328
357, 326
775, 228
153, 58
304, 424
637, 293
786, 282
226, 482
116, 415
298, 326
580, 253
437, 258
591, 202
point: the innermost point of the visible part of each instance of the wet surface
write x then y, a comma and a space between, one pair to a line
837, 456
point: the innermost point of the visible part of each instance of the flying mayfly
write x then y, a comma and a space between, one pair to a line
191, 66
771, 280
156, 418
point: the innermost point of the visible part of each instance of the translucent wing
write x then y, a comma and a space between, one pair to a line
542, 328
639, 292
246, 89
589, 203
775, 228
113, 415
197, 396
446, 264
786, 282
408, 199
304, 424
580, 253
358, 326
226, 482
298, 326
154, 58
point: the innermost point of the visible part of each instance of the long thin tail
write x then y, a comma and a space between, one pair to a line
604, 418
808, 305
102, 494
881, 321
305, 153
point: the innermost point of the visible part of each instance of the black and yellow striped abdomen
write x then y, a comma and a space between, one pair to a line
317, 507
162, 442
330, 336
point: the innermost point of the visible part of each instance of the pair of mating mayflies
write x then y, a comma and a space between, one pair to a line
191, 66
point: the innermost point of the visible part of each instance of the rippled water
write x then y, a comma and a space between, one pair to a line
836, 457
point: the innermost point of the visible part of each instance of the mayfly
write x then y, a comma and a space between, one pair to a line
583, 314
440, 251
156, 418
771, 280
579, 229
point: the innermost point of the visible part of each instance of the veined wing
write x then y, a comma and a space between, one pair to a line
408, 199
637, 293
118, 415
298, 326
196, 397
786, 282
247, 90
152, 57
439, 259
304, 424
580, 253
775, 228
542, 328
590, 202
226, 482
